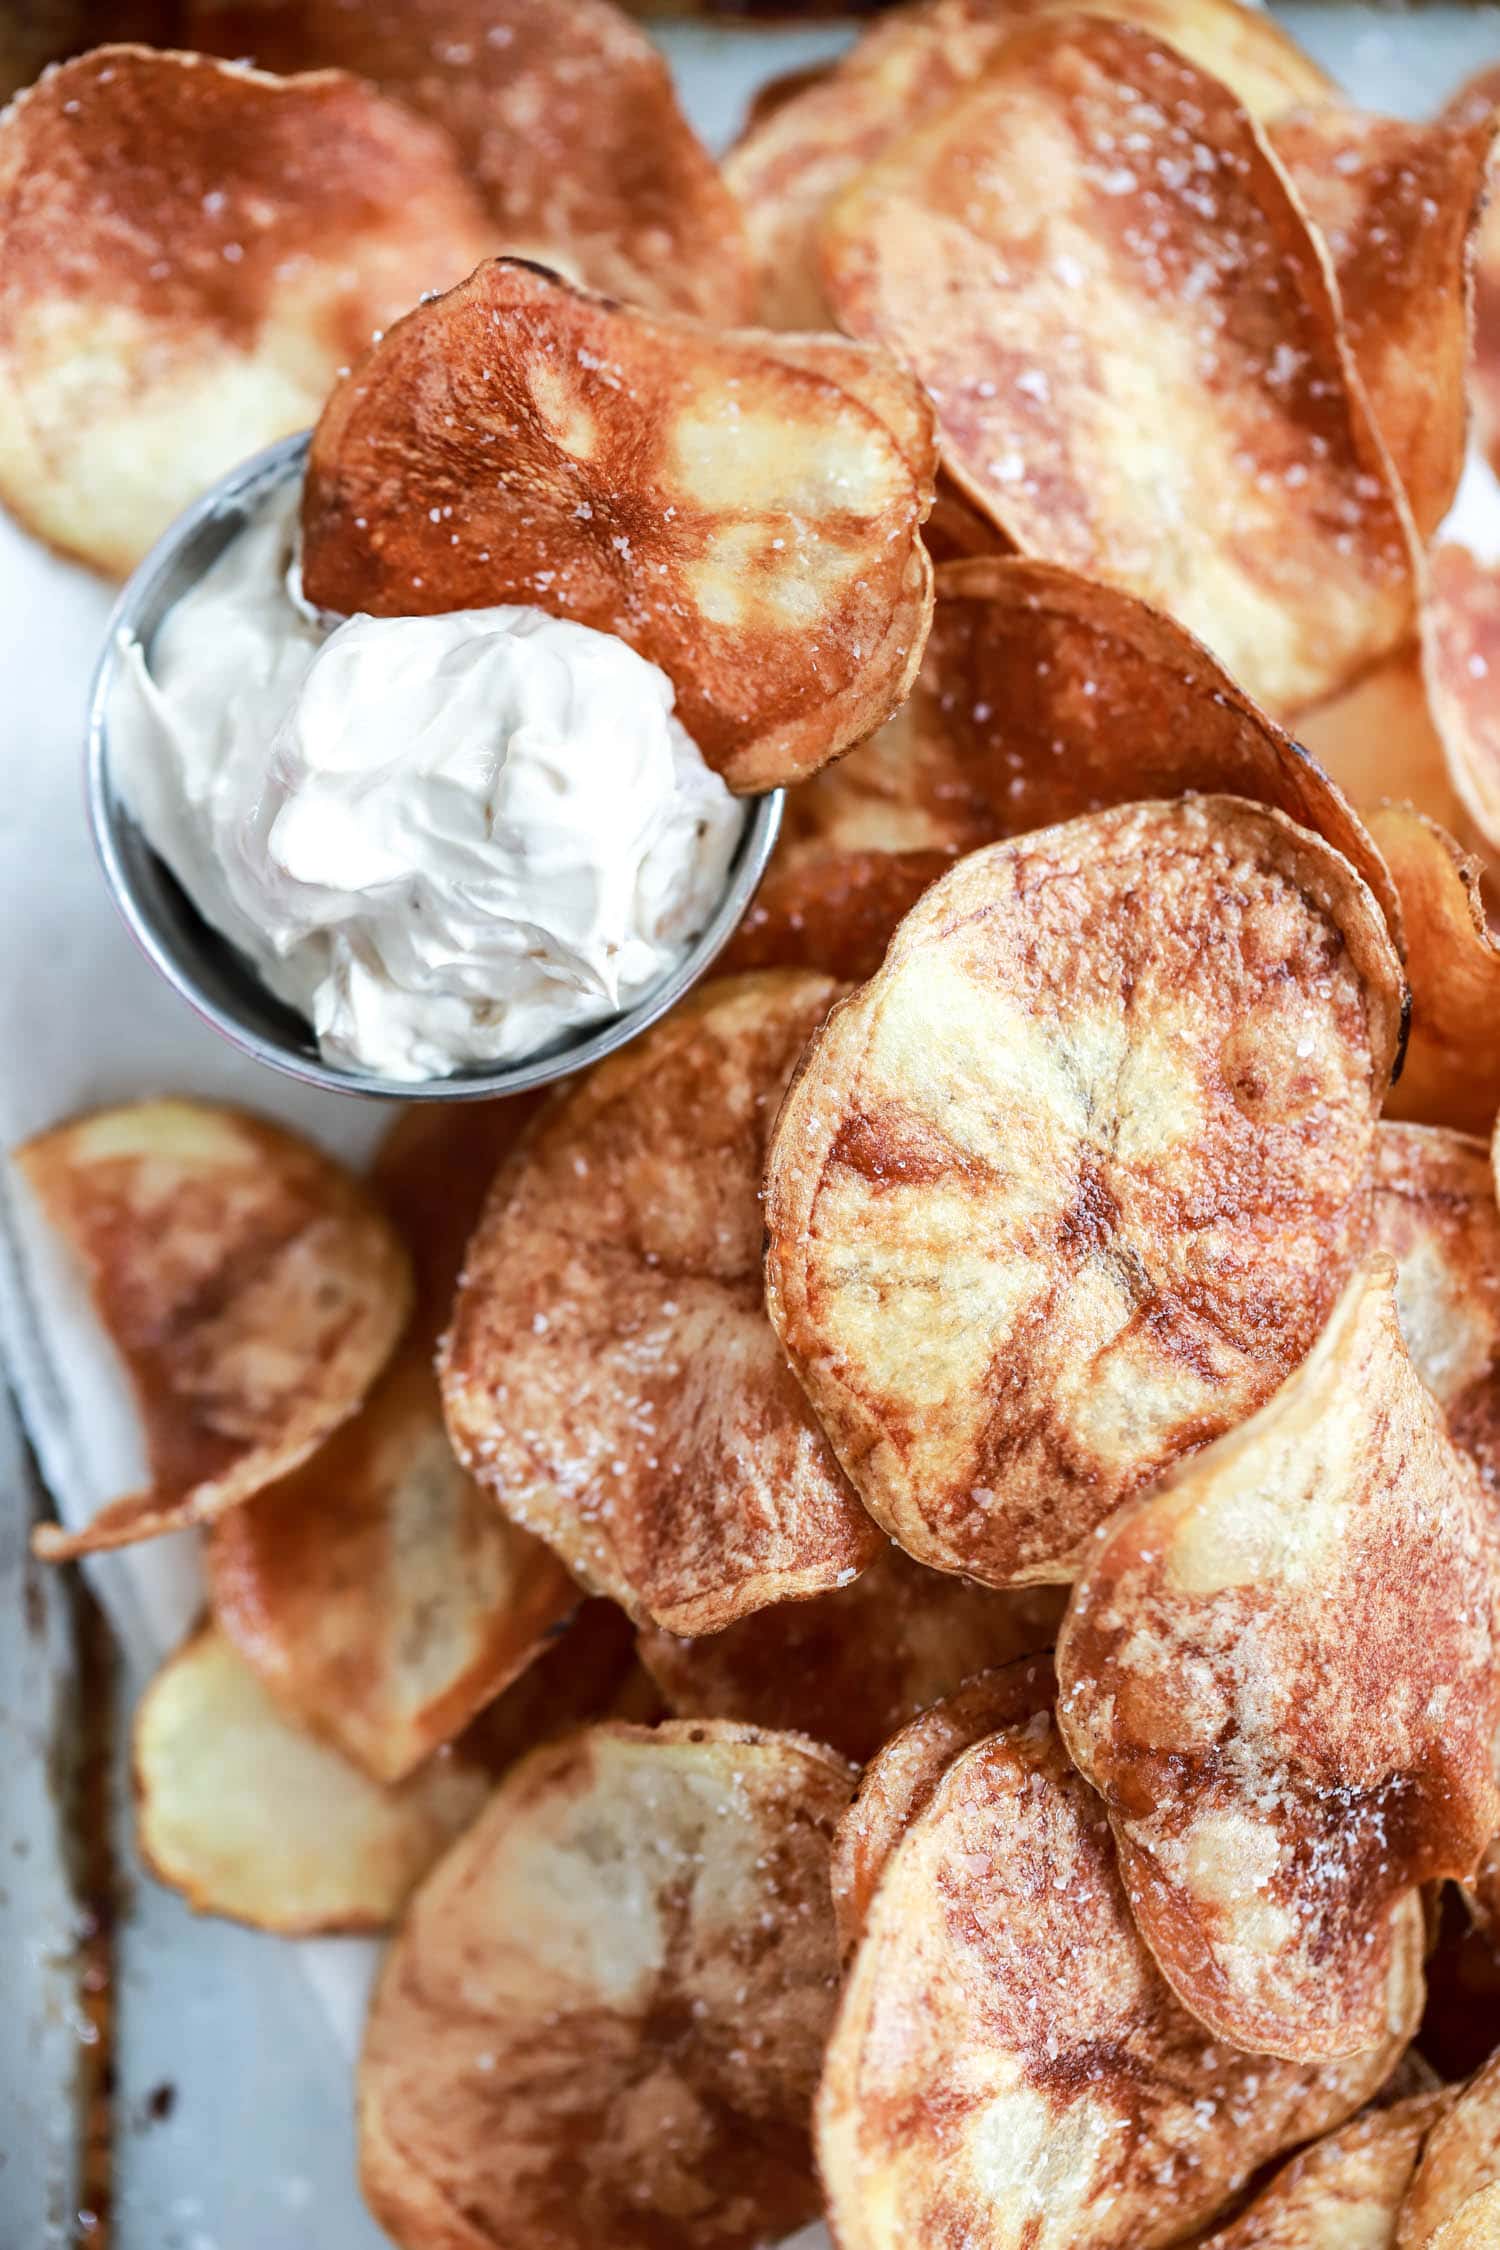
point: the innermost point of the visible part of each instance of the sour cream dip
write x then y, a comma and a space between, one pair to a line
443, 840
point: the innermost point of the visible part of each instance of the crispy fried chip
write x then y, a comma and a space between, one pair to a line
603, 2018
1008, 2068
1460, 651
189, 253
1377, 740
1451, 1074
380, 1595
250, 1288
1343, 2193
1140, 371
1435, 1213
852, 1666
1069, 1187
1474, 106
796, 155
1398, 206
249, 1817
563, 116
610, 1375
898, 1784
1475, 2225
1280, 1668
1461, 2162
749, 522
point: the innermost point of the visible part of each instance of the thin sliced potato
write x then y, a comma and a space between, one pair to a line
603, 2018
1009, 2069
1435, 1213
853, 1666
1343, 2193
797, 155
251, 1818
1474, 105
189, 254
1451, 1075
1377, 740
1398, 205
1460, 653
1135, 346
1041, 695
250, 1287
1280, 1668
1460, 2163
563, 116
610, 1375
899, 1782
1070, 1186
748, 522
1475, 2225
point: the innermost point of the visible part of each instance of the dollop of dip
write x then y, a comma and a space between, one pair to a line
444, 840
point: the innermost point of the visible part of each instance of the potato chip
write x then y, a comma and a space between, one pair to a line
1398, 206
1474, 106
898, 1784
380, 1595
745, 521
1343, 2193
189, 253
1041, 695
1280, 1668
1008, 2067
603, 2018
1435, 1214
851, 1667
564, 119
1475, 2225
1069, 1187
249, 1286
588, 1670
1461, 2161
1460, 648
1377, 741
1451, 1075
610, 1375
796, 156
1140, 373
249, 1817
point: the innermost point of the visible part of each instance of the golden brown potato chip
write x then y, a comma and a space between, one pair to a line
1280, 1668
796, 156
898, 1784
745, 521
1460, 2162
851, 1667
249, 1286
1398, 206
249, 1817
377, 1591
1460, 651
1041, 695
1451, 1075
1069, 1187
610, 1375
1140, 371
563, 116
1474, 105
1009, 2068
189, 253
379, 1594
602, 2020
1343, 2193
1475, 2225
1435, 1214
1377, 740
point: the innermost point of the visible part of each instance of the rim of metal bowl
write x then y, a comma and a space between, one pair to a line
207, 972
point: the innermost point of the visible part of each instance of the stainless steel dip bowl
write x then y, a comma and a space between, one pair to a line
208, 972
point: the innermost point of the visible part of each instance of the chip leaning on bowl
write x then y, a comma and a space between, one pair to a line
1034, 1250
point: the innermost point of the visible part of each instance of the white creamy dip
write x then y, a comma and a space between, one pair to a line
444, 840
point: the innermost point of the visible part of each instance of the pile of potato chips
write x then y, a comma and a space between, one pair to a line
896, 1591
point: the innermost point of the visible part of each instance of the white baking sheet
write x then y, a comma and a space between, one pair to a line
252, 2034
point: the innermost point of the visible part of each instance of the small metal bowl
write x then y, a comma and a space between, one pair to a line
209, 973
